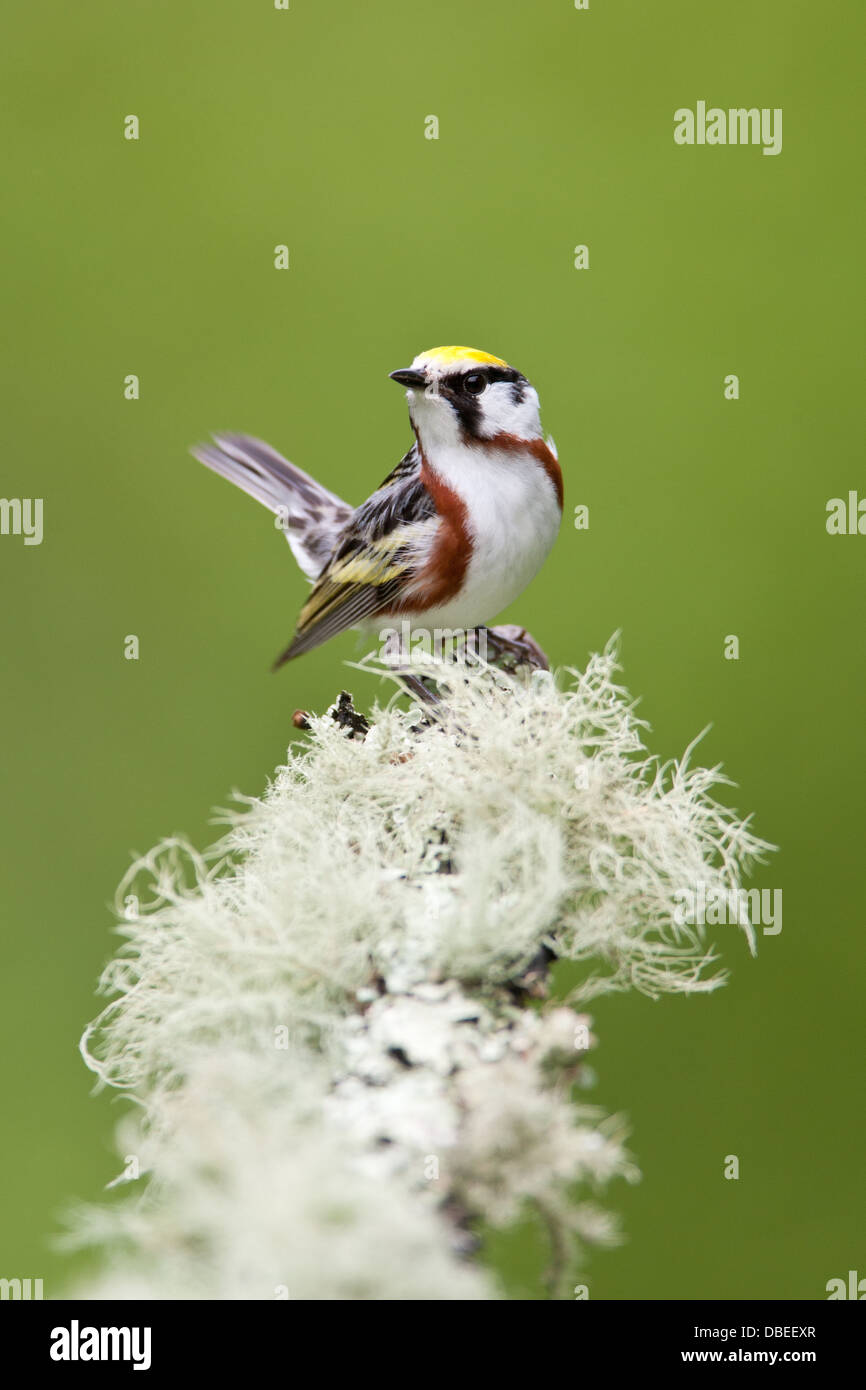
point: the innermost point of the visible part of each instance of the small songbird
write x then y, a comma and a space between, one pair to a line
453, 534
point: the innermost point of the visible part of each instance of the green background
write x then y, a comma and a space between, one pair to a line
707, 516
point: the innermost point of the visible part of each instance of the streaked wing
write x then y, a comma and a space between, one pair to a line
375, 560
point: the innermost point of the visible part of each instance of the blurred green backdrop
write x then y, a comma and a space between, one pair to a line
707, 516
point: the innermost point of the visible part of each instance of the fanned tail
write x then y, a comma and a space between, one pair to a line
314, 517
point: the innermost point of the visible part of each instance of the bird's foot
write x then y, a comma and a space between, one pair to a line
512, 646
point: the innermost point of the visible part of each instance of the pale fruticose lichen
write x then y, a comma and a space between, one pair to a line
337, 1025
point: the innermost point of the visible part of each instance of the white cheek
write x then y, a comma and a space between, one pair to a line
501, 414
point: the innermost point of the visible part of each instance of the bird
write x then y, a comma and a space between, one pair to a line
454, 533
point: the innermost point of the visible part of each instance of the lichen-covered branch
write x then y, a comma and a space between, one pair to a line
337, 1024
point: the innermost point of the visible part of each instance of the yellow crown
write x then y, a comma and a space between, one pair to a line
447, 356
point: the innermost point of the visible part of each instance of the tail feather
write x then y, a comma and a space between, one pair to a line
314, 516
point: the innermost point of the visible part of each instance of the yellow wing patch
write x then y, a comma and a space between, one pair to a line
447, 356
364, 569
373, 565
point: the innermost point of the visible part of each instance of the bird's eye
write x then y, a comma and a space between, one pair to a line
475, 383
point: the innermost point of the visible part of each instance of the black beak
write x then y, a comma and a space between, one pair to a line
407, 377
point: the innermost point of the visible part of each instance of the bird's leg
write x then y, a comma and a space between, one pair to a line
395, 653
415, 686
514, 642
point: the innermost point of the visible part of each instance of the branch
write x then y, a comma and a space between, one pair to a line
337, 1023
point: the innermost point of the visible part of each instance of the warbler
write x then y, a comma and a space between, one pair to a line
453, 534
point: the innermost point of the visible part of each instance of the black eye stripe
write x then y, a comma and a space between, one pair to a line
469, 405
456, 381
504, 374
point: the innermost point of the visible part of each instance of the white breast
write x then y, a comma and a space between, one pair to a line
513, 516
